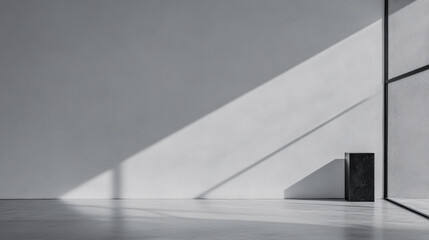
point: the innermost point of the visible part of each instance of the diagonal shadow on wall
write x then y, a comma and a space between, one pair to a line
226, 141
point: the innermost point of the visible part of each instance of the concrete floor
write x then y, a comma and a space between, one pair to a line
207, 219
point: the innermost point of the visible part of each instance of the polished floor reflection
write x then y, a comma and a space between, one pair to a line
207, 219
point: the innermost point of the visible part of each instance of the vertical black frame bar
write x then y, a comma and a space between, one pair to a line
385, 97
386, 82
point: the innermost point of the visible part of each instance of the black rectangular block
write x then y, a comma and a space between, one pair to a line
359, 174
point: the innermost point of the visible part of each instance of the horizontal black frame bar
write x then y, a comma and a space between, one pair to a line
418, 70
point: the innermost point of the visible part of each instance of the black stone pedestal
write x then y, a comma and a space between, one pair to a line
359, 177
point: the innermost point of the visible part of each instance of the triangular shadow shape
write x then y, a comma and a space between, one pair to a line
326, 182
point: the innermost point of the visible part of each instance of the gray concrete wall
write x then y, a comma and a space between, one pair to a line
151, 98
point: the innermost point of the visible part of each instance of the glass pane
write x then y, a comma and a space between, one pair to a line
408, 141
408, 35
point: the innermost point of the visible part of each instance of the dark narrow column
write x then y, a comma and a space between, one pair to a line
359, 177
